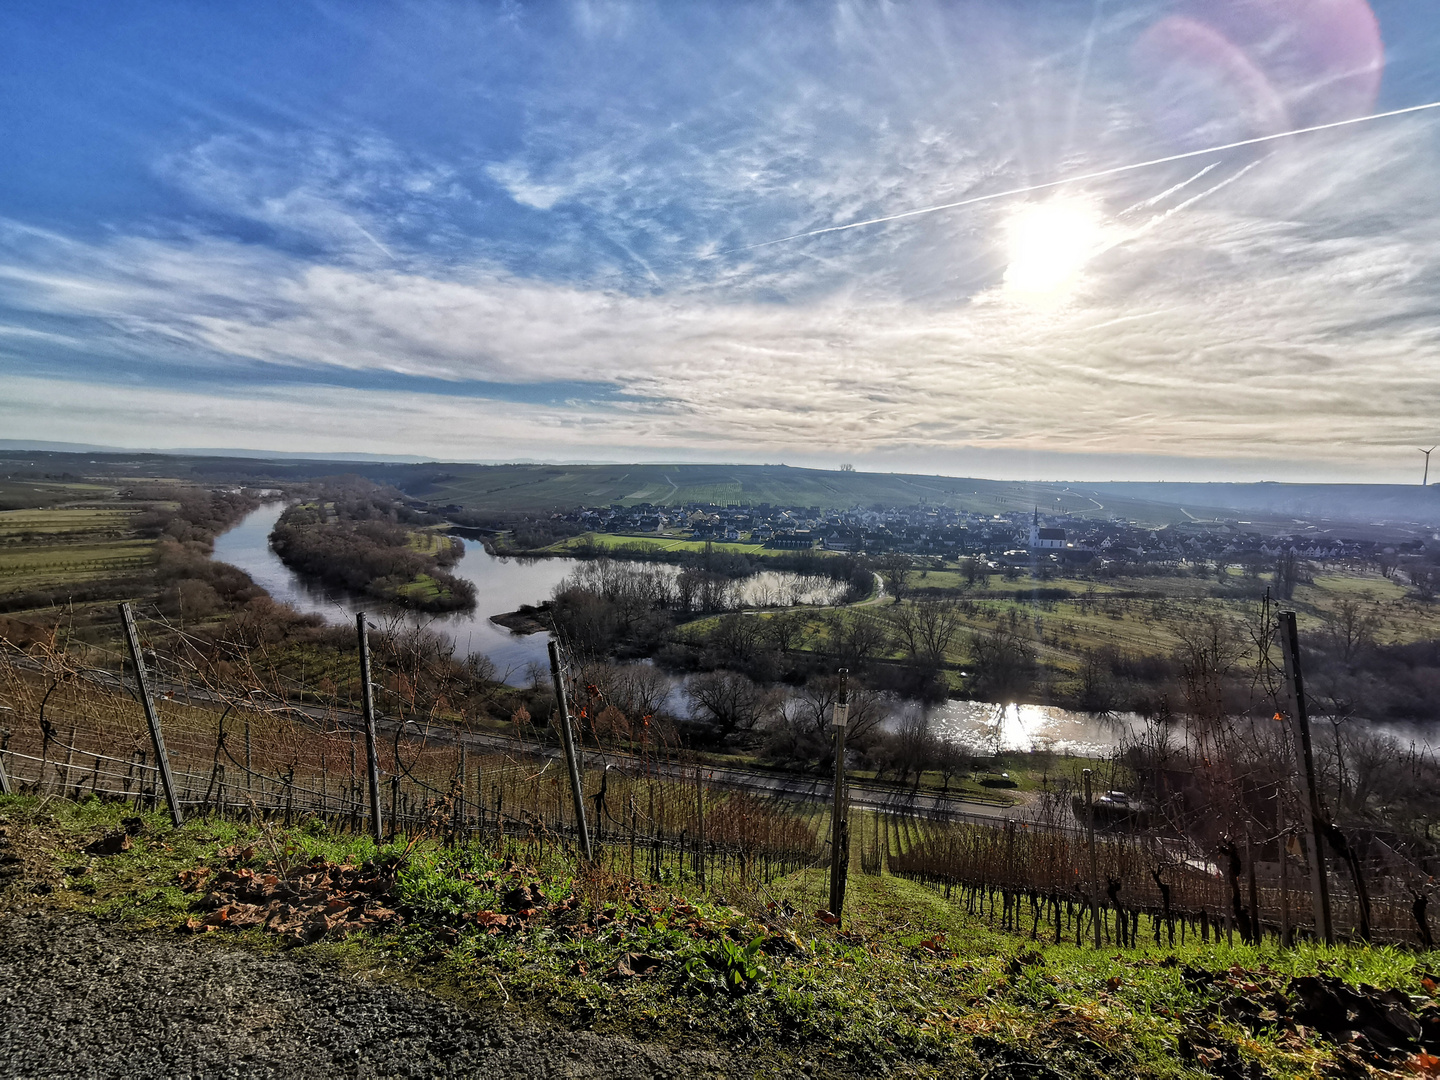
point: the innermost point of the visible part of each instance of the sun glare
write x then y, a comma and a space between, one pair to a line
1049, 244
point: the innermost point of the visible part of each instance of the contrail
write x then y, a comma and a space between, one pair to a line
1154, 199
1159, 219
1084, 72
1187, 155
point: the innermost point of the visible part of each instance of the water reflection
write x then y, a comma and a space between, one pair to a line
988, 728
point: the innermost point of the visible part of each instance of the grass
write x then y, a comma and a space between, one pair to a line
653, 542
915, 983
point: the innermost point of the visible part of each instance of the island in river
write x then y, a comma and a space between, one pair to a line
368, 546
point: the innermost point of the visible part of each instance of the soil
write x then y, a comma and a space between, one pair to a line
82, 998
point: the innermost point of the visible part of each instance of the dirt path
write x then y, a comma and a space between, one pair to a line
82, 999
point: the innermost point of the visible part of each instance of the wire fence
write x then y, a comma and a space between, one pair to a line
262, 746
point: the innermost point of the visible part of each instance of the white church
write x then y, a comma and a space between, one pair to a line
1045, 539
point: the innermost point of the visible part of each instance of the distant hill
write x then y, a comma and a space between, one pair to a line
1393, 504
539, 488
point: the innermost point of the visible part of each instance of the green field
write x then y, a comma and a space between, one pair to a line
652, 542
48, 549
1139, 617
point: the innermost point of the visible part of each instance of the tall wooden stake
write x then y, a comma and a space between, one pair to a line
4, 777
1305, 760
372, 756
567, 740
1284, 872
462, 816
1094, 872
137, 658
839, 846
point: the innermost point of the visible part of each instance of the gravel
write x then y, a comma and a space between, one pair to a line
79, 998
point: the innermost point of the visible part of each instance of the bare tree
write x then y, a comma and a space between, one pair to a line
1004, 662
1350, 629
786, 630
895, 569
730, 702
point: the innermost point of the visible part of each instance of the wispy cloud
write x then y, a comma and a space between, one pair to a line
1254, 309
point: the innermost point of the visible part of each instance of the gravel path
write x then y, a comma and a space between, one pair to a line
82, 999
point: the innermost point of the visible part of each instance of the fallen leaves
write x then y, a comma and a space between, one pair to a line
113, 843
320, 900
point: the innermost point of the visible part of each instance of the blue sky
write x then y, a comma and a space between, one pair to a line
529, 231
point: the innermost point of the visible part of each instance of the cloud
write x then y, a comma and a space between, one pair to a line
1276, 309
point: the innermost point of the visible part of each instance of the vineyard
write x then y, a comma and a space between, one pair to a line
256, 746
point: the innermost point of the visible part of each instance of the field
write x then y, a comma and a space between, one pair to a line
1135, 616
43, 551
653, 542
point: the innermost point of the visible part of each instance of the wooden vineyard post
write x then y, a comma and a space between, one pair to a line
367, 698
4, 776
567, 740
1305, 761
839, 834
699, 826
1284, 874
157, 737
1094, 873
462, 822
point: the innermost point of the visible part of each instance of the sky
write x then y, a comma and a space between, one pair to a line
577, 232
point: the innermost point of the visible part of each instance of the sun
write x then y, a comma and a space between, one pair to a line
1049, 244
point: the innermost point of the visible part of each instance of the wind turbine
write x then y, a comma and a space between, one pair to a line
1427, 453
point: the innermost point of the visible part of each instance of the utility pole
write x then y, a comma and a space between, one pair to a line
1094, 873
1427, 453
839, 833
1305, 760
372, 757
137, 658
567, 740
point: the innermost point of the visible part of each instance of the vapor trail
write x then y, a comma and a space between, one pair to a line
1154, 199
1159, 219
1118, 169
1084, 72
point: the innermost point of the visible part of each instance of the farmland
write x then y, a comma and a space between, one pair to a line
45, 552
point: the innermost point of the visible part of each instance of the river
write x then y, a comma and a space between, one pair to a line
503, 584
